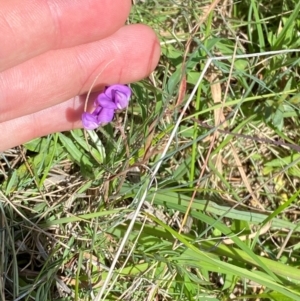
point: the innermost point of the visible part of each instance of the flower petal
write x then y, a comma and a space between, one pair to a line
121, 100
89, 121
121, 88
106, 102
106, 116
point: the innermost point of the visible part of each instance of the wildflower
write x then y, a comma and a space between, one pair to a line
113, 98
100, 116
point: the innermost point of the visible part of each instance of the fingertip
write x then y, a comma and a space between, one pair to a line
148, 40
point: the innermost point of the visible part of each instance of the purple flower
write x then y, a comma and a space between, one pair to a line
115, 97
100, 116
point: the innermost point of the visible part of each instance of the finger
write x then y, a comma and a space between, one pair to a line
62, 117
126, 56
32, 27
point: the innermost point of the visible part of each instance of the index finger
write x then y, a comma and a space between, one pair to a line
31, 27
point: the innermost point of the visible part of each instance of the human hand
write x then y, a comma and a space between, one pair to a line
52, 51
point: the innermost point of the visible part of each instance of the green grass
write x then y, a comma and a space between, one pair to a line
215, 136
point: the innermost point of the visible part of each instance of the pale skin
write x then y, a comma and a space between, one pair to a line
52, 51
